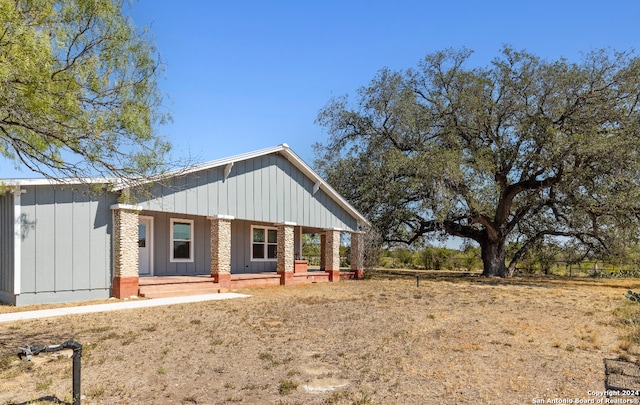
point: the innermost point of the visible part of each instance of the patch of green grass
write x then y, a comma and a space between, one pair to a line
162, 371
96, 392
5, 362
129, 337
628, 315
44, 385
265, 356
286, 387
99, 329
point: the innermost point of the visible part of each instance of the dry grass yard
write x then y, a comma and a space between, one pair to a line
450, 340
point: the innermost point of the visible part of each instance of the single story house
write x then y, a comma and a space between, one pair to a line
71, 240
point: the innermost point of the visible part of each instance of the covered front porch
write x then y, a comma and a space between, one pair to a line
211, 270
173, 286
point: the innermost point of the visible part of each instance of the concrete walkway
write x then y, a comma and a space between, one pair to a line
132, 304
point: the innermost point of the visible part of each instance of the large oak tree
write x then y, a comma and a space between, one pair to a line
78, 90
512, 153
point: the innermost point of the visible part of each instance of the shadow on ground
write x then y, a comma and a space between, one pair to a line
621, 377
49, 399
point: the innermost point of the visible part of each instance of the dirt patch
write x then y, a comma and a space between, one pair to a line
449, 340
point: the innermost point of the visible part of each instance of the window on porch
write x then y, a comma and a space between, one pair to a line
181, 240
264, 245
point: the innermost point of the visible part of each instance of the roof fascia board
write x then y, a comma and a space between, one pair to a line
54, 182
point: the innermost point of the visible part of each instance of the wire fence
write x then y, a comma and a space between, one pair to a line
562, 268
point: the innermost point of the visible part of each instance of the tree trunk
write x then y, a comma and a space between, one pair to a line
493, 259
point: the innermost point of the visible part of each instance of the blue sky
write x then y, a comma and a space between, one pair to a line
244, 75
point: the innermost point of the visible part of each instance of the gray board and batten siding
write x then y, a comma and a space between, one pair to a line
266, 189
65, 250
7, 246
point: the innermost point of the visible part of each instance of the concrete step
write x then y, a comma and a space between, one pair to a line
177, 293
178, 289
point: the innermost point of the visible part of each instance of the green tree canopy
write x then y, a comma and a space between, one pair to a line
518, 151
78, 91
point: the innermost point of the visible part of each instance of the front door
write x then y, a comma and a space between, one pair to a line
145, 246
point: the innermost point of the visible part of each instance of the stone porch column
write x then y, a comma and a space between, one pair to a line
357, 255
332, 254
221, 250
125, 250
286, 252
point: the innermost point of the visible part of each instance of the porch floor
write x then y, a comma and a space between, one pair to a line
173, 286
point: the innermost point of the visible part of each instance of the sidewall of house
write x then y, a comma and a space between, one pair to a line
66, 245
7, 247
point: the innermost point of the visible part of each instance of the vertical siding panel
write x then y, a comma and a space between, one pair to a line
64, 240
161, 244
169, 196
212, 192
223, 190
249, 195
191, 194
200, 239
323, 208
311, 203
232, 192
99, 242
7, 237
45, 244
28, 248
203, 194
258, 198
81, 230
180, 195
291, 209
239, 257
306, 199
241, 185
280, 189
299, 198
271, 186
159, 201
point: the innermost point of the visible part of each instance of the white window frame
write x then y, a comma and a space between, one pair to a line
266, 243
191, 241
